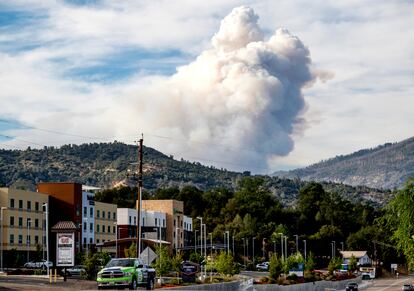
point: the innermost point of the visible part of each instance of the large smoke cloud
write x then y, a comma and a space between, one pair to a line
243, 96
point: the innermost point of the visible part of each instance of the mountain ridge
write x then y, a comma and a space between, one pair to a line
386, 166
107, 165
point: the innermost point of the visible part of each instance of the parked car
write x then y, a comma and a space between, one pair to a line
263, 266
352, 286
75, 271
407, 287
30, 265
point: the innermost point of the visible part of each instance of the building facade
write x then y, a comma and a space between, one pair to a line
22, 222
105, 222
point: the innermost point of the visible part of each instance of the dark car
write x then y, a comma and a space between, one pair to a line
352, 286
407, 287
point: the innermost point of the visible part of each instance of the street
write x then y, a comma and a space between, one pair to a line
392, 284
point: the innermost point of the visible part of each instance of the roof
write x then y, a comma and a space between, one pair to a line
64, 226
356, 254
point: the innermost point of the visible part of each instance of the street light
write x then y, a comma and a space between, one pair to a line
211, 255
253, 248
334, 249
1, 236
228, 240
47, 237
116, 240
304, 243
264, 248
195, 240
244, 251
281, 245
297, 238
29, 222
286, 254
201, 236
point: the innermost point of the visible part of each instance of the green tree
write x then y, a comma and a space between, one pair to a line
310, 262
163, 262
334, 264
131, 252
176, 262
275, 267
399, 219
352, 264
225, 264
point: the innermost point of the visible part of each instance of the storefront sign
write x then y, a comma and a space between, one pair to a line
65, 250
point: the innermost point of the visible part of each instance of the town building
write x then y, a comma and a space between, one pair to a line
22, 223
361, 256
175, 218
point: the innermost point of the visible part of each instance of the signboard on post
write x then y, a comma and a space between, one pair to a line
65, 249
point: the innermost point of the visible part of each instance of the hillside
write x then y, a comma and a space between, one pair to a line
387, 166
108, 164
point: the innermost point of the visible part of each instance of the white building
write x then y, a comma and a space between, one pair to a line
361, 256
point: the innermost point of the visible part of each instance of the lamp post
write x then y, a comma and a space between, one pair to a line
29, 222
281, 246
244, 251
228, 240
211, 255
1, 236
253, 248
297, 246
334, 249
116, 240
47, 236
176, 238
264, 248
286, 255
274, 246
233, 245
195, 240
304, 244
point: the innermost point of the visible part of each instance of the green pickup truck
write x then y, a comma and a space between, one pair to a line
128, 272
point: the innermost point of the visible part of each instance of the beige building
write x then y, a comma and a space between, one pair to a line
23, 219
105, 222
174, 212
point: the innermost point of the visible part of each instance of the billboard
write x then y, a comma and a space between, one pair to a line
65, 249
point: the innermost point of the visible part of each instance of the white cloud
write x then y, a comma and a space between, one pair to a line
367, 45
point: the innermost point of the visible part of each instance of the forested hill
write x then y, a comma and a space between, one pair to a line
108, 164
387, 166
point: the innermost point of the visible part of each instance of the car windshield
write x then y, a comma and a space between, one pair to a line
121, 263
352, 284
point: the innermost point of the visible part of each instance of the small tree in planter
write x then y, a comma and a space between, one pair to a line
163, 263
275, 267
225, 264
353, 264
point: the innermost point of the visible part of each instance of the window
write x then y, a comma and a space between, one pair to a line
29, 205
28, 222
84, 240
20, 221
109, 229
36, 223
174, 222
97, 213
155, 222
163, 222
103, 240
114, 229
28, 239
114, 216
103, 228
20, 239
97, 241
84, 226
91, 212
36, 239
90, 227
97, 228
77, 209
11, 239
135, 220
11, 220
130, 220
85, 211
90, 240
11, 203
143, 221
103, 214
20, 204
37, 206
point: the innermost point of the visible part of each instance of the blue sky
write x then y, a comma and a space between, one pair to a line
76, 66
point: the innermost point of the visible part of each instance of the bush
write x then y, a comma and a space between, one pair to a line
275, 267
225, 264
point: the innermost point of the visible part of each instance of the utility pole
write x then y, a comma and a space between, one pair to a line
139, 196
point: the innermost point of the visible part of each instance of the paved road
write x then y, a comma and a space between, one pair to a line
254, 274
390, 284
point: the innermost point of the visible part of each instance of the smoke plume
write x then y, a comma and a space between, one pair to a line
237, 102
